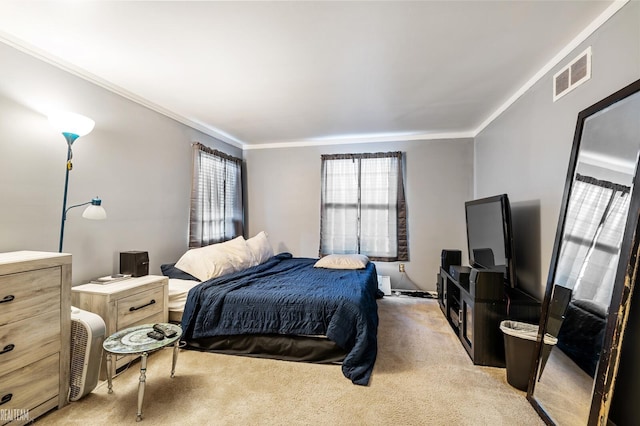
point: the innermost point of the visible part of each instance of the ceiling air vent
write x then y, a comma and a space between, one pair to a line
573, 75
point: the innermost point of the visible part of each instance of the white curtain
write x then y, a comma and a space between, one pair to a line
363, 207
587, 204
339, 230
598, 274
378, 206
594, 227
217, 212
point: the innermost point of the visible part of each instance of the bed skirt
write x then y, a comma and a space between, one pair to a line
313, 349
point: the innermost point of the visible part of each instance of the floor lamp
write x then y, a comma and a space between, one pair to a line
72, 126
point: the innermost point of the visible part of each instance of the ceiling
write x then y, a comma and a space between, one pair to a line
266, 73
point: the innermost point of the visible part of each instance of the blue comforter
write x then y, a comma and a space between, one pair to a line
287, 295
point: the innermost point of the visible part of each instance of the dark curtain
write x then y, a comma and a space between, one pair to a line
216, 213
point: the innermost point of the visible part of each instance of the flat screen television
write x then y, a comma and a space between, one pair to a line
489, 236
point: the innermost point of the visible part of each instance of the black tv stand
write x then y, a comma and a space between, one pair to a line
474, 309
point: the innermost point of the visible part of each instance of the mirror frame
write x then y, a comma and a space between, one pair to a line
626, 272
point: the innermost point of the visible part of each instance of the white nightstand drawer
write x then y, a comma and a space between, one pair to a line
139, 306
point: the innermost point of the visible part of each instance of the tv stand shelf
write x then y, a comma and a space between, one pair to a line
474, 309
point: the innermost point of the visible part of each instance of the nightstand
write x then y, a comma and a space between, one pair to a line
123, 304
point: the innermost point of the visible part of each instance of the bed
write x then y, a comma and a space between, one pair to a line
282, 308
582, 333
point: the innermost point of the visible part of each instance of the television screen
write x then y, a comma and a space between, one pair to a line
489, 235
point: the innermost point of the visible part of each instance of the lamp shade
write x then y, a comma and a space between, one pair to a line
70, 122
95, 211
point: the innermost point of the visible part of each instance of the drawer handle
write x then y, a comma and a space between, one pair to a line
6, 398
7, 299
7, 348
134, 308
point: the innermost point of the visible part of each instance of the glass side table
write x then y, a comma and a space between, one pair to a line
134, 341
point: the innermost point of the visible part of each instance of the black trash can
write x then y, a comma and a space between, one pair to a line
519, 348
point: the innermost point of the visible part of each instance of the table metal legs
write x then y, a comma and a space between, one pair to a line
109, 372
175, 358
143, 379
143, 375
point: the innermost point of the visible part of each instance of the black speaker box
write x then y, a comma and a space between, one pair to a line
486, 284
460, 273
450, 258
135, 263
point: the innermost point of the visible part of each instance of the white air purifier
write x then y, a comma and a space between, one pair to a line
87, 334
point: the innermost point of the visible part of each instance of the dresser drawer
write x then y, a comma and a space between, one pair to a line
26, 294
32, 385
137, 307
26, 341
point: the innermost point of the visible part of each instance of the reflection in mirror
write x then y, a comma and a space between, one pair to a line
586, 269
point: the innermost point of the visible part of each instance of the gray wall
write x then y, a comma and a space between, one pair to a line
284, 200
525, 152
136, 160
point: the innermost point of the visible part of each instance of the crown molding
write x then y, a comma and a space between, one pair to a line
360, 140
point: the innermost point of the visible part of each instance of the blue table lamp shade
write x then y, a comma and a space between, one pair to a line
72, 126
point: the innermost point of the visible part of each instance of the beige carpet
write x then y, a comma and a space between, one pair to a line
422, 376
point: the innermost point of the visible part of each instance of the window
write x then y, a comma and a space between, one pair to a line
362, 206
216, 212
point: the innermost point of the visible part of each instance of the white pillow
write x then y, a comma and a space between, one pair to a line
238, 253
217, 259
260, 247
343, 261
206, 262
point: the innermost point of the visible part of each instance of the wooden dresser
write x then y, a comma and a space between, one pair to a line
35, 323
122, 304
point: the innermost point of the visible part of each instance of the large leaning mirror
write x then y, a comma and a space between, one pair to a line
591, 269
